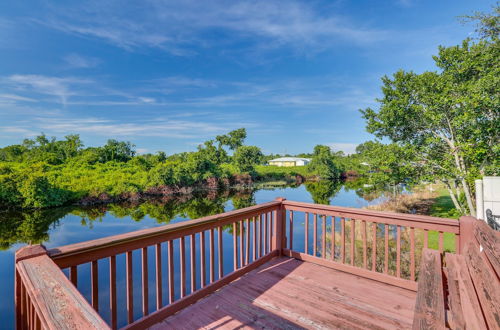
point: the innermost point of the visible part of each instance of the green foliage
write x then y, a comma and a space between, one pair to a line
233, 139
388, 163
323, 163
270, 172
322, 191
246, 157
449, 118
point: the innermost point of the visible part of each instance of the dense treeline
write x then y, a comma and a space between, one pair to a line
43, 172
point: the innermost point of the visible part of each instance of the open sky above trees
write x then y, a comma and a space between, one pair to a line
168, 76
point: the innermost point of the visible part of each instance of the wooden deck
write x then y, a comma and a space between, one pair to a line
287, 293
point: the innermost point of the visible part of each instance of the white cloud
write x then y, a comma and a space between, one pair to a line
178, 27
347, 148
14, 97
46, 85
79, 61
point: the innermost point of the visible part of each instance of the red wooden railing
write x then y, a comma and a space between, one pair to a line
259, 233
355, 245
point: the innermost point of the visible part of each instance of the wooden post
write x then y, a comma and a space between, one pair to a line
279, 235
27, 252
466, 232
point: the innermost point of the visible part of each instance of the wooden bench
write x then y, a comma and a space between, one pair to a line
461, 291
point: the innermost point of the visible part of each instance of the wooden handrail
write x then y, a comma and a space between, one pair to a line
75, 254
46, 299
403, 219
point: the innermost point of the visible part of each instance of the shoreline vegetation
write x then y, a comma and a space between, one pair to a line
44, 173
432, 200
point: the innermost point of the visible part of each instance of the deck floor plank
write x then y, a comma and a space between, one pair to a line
290, 294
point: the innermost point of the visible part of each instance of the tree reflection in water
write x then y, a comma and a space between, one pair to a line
33, 227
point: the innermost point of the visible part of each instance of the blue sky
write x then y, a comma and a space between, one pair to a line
167, 75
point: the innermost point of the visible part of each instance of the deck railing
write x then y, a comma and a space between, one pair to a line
191, 259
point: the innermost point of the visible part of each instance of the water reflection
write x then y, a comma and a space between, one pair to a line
33, 227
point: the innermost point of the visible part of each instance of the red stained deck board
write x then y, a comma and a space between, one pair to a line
290, 294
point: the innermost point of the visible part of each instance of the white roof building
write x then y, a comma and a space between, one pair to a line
289, 161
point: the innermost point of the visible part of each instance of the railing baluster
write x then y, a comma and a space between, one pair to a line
259, 237
235, 247
212, 255
242, 242
386, 241
291, 230
247, 241
323, 234
221, 254
441, 242
95, 284
363, 229
426, 238
412, 253
171, 272
353, 240
457, 243
130, 288
193, 262
254, 246
73, 275
342, 237
266, 230
374, 247
159, 288
398, 251
306, 234
112, 291
182, 255
203, 279
145, 291
332, 234
315, 234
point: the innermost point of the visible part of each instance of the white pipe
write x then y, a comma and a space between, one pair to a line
479, 199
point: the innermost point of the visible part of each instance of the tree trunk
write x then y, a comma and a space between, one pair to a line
454, 198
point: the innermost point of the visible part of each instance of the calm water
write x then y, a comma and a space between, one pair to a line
68, 225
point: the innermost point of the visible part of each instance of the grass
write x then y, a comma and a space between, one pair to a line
437, 204
277, 172
443, 205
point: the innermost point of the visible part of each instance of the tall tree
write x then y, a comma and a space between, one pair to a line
450, 117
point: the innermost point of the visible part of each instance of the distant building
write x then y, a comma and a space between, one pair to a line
289, 161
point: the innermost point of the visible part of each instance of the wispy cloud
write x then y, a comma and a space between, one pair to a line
45, 85
179, 27
78, 61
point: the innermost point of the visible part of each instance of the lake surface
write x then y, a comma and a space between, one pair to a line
67, 225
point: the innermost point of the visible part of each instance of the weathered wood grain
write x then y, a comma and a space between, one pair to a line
290, 294
429, 306
464, 308
490, 242
58, 304
487, 286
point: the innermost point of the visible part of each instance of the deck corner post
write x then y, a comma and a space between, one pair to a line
30, 251
466, 232
279, 239
26, 252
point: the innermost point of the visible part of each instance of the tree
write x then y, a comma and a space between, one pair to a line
450, 117
322, 163
233, 140
246, 157
388, 163
116, 150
